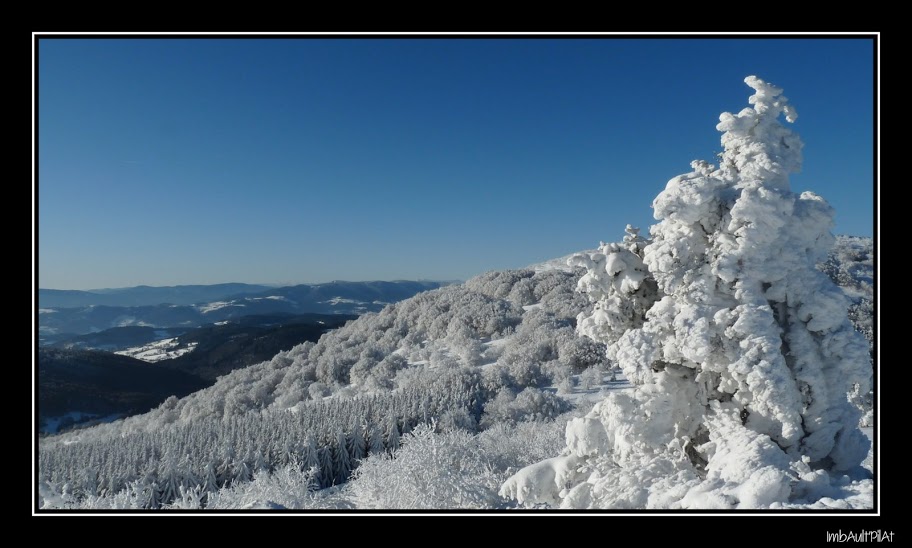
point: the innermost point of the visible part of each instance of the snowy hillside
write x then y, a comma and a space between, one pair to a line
506, 338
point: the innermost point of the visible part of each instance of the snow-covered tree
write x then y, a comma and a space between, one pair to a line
342, 464
590, 378
617, 281
745, 363
241, 472
357, 447
309, 459
375, 440
430, 470
171, 481
210, 479
392, 434
260, 462
150, 496
327, 476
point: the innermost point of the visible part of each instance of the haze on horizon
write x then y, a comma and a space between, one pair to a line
200, 161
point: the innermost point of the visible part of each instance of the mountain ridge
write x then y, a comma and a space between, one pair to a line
347, 298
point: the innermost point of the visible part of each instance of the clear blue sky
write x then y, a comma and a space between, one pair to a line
176, 161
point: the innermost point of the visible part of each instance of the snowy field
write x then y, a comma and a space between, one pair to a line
164, 349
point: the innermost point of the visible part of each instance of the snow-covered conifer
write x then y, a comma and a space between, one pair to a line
392, 434
342, 464
375, 441
327, 476
744, 364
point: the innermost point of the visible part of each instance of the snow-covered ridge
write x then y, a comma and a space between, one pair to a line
341, 298
561, 263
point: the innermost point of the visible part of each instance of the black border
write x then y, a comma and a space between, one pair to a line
847, 520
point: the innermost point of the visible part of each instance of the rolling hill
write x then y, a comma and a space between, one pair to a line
75, 386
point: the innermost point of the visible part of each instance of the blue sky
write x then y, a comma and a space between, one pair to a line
176, 161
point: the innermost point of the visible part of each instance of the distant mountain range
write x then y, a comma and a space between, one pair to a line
95, 313
144, 295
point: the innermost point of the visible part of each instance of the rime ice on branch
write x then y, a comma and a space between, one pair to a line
745, 364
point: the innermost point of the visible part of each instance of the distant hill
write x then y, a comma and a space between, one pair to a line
75, 385
118, 338
143, 295
220, 349
347, 298
357, 297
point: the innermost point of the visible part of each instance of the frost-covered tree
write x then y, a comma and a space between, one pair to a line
617, 281
170, 482
392, 434
342, 464
430, 470
375, 440
260, 462
210, 479
357, 447
327, 475
241, 472
150, 496
745, 363
590, 378
310, 459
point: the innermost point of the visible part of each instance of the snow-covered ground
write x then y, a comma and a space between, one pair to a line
211, 307
127, 321
164, 349
336, 301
